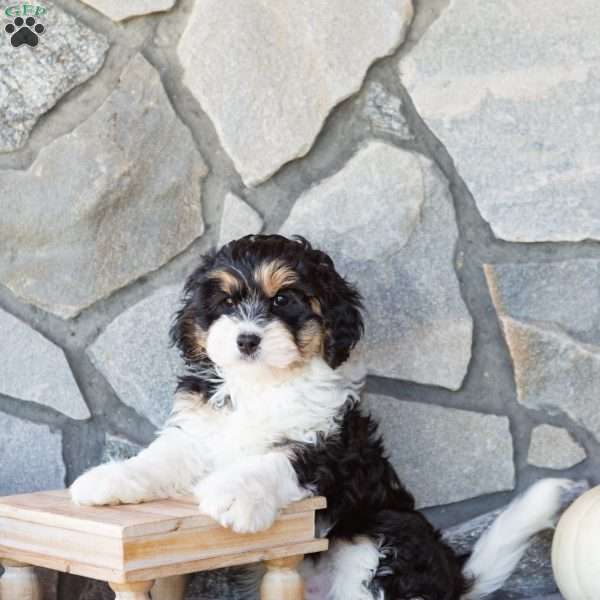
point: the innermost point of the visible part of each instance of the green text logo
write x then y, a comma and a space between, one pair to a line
25, 10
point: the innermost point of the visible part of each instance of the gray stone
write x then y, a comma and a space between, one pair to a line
511, 89
34, 369
118, 449
550, 317
554, 448
117, 10
88, 218
533, 577
268, 74
388, 221
31, 457
238, 219
383, 112
566, 293
134, 355
445, 455
34, 79
554, 372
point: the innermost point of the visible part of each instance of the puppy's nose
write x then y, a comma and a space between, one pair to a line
248, 343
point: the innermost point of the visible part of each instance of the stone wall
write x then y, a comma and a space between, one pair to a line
446, 154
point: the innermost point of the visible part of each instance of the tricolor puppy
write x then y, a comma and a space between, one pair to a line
269, 413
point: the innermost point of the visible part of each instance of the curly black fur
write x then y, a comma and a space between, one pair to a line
415, 561
350, 469
365, 497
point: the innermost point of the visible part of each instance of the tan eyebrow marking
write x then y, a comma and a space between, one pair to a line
272, 276
229, 283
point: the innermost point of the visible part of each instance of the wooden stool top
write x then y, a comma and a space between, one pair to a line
139, 542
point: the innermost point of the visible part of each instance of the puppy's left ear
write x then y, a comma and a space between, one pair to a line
341, 307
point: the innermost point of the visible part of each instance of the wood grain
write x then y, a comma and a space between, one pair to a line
282, 580
142, 542
169, 588
19, 582
132, 591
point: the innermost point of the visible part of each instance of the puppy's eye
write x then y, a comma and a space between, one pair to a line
228, 301
280, 300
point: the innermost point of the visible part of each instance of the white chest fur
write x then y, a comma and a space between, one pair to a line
264, 410
226, 452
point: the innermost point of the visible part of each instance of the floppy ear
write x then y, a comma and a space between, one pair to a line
341, 311
186, 331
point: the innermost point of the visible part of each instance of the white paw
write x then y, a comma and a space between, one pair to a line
243, 506
106, 484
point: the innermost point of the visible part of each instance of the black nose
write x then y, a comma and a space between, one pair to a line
248, 343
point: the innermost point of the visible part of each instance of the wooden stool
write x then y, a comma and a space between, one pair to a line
132, 546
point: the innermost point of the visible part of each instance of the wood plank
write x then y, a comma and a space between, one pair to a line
200, 544
123, 521
60, 511
77, 567
244, 558
145, 541
311, 503
126, 514
163, 508
192, 518
61, 543
110, 521
307, 504
166, 507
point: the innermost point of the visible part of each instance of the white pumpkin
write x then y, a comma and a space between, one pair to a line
576, 549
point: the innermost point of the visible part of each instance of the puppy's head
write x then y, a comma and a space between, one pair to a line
267, 301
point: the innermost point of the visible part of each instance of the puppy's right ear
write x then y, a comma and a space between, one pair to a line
187, 332
341, 307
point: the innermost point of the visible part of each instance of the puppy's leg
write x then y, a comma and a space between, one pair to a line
247, 496
344, 572
167, 467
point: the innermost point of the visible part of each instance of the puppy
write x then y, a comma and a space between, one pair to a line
268, 413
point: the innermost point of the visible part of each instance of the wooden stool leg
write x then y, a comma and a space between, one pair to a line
282, 580
169, 588
19, 582
137, 590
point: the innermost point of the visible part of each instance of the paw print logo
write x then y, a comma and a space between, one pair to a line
24, 31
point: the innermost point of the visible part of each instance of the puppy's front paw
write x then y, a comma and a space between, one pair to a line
240, 505
106, 484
